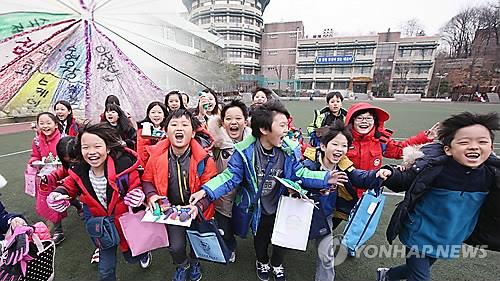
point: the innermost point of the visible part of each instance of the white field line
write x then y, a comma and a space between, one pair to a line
14, 153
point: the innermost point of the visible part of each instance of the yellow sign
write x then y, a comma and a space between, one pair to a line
35, 96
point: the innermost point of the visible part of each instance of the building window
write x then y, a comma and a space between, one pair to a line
293, 35
271, 68
325, 53
235, 19
306, 70
421, 70
345, 52
272, 36
236, 37
247, 71
307, 53
292, 52
235, 54
257, 40
257, 56
249, 20
306, 85
404, 52
362, 69
341, 85
220, 19
248, 55
205, 20
324, 70
248, 38
322, 85
365, 52
342, 70
272, 53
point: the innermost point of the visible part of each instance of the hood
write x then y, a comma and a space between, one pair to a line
382, 115
221, 139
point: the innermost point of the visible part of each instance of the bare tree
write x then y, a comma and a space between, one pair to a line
459, 32
412, 27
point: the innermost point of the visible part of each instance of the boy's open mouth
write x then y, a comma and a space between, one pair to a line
472, 155
179, 136
234, 129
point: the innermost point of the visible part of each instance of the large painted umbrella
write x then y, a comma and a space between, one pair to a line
79, 51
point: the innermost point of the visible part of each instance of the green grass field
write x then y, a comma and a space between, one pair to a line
74, 254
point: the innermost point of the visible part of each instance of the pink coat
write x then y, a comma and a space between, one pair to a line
42, 146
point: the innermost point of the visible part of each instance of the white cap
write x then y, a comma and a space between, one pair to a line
3, 181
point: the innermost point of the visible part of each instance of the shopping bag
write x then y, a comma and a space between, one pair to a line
30, 180
292, 223
206, 240
42, 208
364, 219
42, 267
142, 237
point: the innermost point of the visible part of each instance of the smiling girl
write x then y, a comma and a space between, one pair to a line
108, 182
64, 112
156, 114
47, 137
208, 105
118, 119
174, 101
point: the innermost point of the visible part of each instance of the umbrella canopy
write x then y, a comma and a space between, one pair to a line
81, 51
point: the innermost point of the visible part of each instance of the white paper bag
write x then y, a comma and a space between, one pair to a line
292, 224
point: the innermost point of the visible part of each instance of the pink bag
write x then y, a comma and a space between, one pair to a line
30, 180
42, 231
42, 209
142, 236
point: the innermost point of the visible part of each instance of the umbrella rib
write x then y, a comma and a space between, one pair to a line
155, 57
163, 44
69, 7
102, 5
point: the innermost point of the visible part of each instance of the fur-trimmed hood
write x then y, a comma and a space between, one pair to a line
221, 139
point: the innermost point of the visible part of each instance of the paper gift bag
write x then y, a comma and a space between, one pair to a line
30, 180
292, 224
141, 236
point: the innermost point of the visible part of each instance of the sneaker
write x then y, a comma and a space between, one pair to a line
382, 273
95, 256
58, 238
279, 273
146, 261
233, 257
181, 273
262, 271
195, 272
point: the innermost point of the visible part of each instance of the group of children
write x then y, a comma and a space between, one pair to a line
224, 160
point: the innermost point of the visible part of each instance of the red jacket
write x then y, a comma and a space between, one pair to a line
74, 127
143, 147
367, 151
42, 146
156, 171
56, 176
78, 181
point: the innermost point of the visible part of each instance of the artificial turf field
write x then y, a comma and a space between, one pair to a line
73, 255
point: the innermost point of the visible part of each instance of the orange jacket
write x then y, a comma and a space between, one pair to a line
143, 147
201, 169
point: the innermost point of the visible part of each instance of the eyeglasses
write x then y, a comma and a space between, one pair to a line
364, 118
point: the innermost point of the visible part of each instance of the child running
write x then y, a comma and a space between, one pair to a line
173, 172
447, 186
338, 202
156, 114
108, 181
256, 160
64, 112
227, 130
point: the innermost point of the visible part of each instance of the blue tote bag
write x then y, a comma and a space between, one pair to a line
364, 219
206, 240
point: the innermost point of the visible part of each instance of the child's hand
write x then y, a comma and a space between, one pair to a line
134, 198
384, 174
17, 221
152, 200
432, 133
337, 177
197, 196
58, 202
402, 168
193, 212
